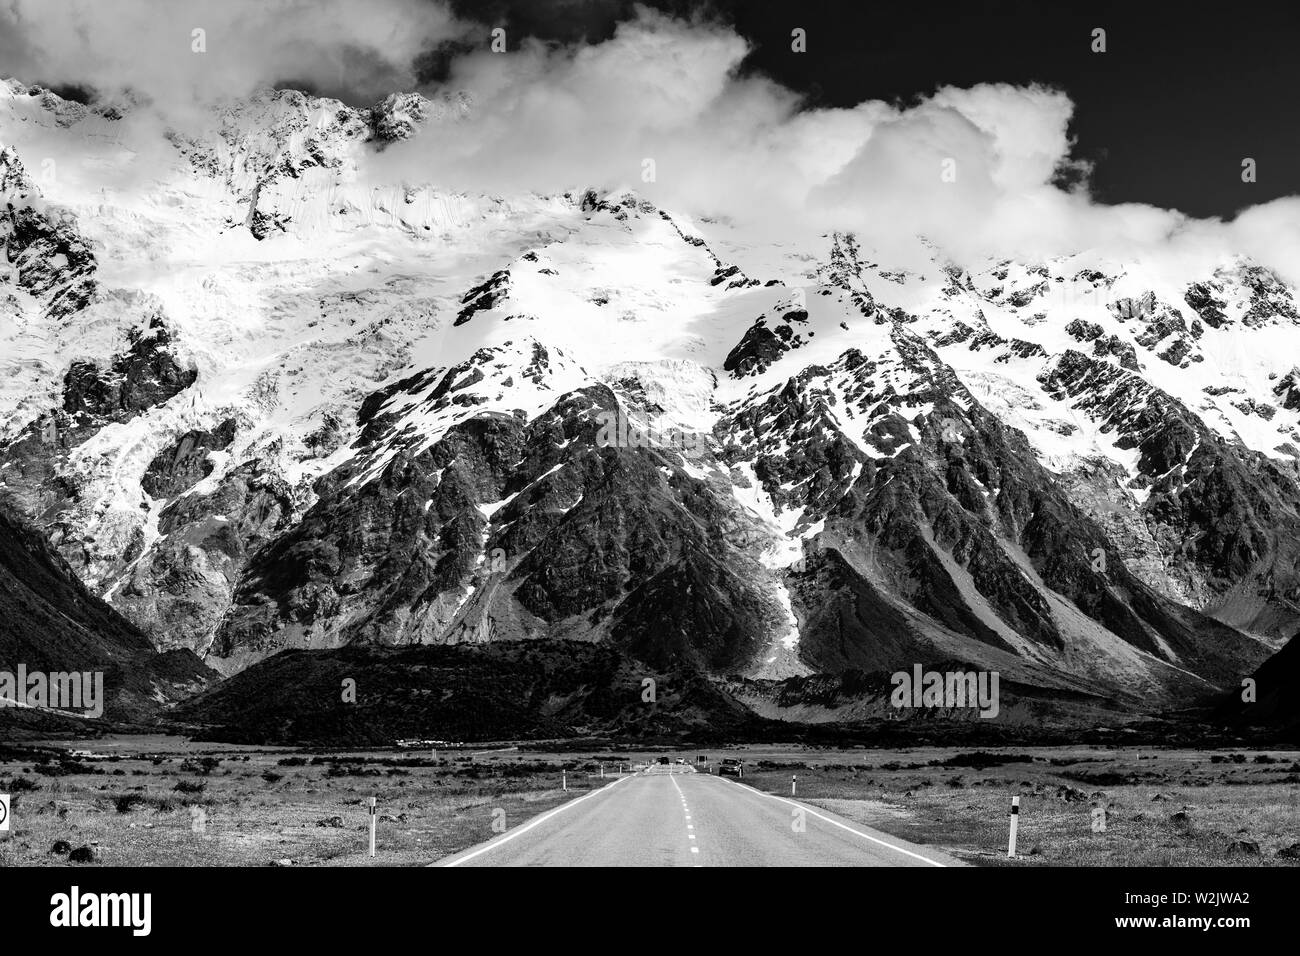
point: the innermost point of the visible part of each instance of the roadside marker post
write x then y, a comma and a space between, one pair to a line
564, 780
372, 826
602, 771
1015, 820
793, 781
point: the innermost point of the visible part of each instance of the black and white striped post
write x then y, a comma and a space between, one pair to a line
1015, 821
793, 784
372, 826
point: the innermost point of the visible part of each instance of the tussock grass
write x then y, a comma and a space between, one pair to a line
1162, 807
262, 805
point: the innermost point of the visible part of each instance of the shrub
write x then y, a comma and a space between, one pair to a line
980, 759
200, 765
64, 768
128, 802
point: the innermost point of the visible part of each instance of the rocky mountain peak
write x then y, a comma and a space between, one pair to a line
326, 411
401, 115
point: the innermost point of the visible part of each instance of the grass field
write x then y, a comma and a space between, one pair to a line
135, 802
263, 805
1162, 807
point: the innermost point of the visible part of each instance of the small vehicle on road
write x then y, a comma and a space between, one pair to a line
731, 767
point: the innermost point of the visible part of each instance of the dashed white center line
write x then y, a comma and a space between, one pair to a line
689, 826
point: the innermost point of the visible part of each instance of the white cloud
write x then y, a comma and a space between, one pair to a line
148, 45
549, 117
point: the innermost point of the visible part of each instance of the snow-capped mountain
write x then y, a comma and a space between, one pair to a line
260, 397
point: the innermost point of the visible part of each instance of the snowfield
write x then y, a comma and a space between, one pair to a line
296, 280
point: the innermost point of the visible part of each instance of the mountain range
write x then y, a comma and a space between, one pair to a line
260, 394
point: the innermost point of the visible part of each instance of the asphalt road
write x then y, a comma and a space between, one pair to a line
659, 818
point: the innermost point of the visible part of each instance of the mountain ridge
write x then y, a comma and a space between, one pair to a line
342, 410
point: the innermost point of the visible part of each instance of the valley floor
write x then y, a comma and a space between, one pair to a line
166, 801
1162, 807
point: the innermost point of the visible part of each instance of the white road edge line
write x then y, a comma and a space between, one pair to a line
865, 836
518, 831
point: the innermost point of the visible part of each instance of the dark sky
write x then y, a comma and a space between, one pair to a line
1183, 93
